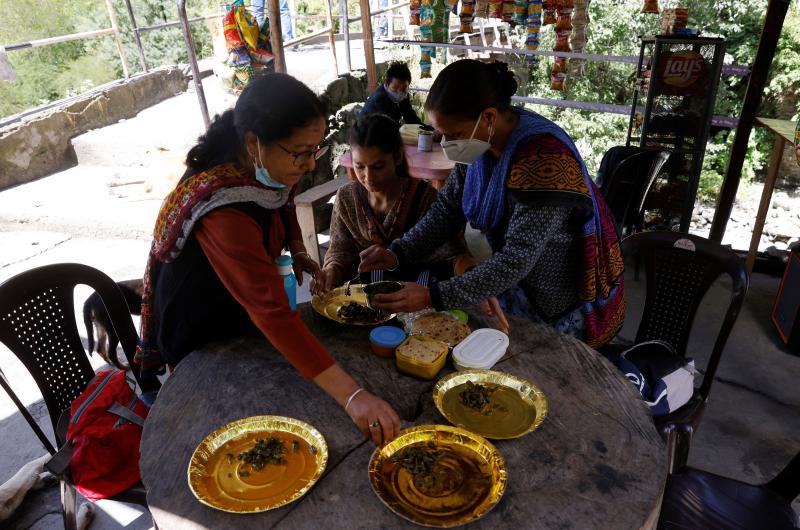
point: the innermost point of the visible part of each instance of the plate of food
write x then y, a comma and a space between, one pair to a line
496, 405
438, 475
351, 308
440, 326
257, 464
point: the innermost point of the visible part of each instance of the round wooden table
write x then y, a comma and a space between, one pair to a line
596, 461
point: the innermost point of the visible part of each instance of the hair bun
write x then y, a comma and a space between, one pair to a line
506, 80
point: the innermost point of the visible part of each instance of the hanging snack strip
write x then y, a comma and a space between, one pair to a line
508, 12
426, 35
580, 19
482, 8
520, 12
441, 21
413, 20
495, 8
549, 9
534, 25
467, 15
558, 74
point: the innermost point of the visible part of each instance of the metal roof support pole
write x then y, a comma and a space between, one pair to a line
136, 35
198, 82
773, 23
345, 28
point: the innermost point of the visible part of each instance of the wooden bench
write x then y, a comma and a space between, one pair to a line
312, 221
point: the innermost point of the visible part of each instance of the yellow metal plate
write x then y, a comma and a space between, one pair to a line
518, 406
472, 471
218, 479
328, 304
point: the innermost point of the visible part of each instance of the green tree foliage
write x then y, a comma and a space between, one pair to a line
54, 72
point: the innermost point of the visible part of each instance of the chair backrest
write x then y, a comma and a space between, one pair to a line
37, 323
627, 184
680, 268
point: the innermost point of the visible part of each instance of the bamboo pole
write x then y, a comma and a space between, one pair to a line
38, 43
331, 34
276, 35
117, 38
369, 48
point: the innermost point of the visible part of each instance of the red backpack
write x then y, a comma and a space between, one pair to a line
104, 431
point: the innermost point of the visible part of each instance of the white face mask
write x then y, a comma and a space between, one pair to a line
467, 151
397, 97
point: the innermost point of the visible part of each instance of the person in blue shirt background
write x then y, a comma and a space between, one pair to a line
391, 98
286, 17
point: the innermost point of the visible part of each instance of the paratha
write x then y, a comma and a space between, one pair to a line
440, 326
426, 351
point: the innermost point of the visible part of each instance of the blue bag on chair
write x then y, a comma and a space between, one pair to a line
664, 378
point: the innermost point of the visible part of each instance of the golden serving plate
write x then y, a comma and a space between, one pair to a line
328, 304
472, 477
218, 479
519, 407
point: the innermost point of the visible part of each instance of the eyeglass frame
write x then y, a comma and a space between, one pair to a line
318, 152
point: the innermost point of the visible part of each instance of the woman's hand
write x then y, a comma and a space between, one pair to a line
329, 278
302, 262
375, 258
491, 307
412, 297
375, 417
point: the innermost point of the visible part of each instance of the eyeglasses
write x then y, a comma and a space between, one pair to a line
304, 157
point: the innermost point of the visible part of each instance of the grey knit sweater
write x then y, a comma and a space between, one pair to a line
539, 252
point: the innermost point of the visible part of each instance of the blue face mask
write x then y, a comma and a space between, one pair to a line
262, 175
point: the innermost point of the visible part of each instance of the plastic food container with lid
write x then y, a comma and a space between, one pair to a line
481, 349
384, 340
418, 368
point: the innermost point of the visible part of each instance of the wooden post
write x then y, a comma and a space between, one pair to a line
766, 199
115, 26
773, 22
369, 49
276, 35
332, 34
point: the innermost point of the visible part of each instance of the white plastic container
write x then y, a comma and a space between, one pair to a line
481, 349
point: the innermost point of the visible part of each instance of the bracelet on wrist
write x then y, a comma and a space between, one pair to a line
351, 397
396, 260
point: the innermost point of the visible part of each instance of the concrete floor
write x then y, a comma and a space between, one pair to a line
101, 213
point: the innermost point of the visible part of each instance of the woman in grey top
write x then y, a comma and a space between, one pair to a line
520, 180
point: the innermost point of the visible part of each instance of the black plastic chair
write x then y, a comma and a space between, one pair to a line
627, 184
680, 268
698, 499
38, 325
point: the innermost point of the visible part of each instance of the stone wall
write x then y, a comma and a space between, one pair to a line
40, 144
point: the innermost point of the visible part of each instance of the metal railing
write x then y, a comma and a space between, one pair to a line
113, 30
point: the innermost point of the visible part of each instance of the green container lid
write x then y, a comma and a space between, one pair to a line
460, 315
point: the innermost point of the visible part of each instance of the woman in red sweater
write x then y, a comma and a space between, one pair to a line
211, 271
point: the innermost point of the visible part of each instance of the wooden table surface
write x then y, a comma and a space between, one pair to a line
433, 165
596, 461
